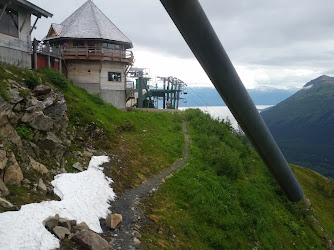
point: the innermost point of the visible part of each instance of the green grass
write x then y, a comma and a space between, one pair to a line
24, 132
142, 144
320, 191
225, 198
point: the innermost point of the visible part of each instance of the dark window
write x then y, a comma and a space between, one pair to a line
114, 77
9, 22
78, 43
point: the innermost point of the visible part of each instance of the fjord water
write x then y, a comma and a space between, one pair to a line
222, 112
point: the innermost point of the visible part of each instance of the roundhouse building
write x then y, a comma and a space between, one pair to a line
94, 52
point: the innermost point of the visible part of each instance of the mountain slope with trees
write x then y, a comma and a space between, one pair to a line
303, 125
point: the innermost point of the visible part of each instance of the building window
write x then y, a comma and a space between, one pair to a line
9, 22
78, 43
114, 77
111, 46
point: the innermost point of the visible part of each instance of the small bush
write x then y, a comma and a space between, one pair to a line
3, 90
31, 80
24, 132
56, 78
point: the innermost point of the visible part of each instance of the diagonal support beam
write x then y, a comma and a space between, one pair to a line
4, 9
33, 27
195, 27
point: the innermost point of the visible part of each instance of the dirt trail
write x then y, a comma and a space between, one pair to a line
126, 236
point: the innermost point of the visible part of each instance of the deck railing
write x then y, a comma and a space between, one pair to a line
86, 52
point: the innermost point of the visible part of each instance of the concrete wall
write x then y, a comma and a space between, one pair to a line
115, 97
16, 50
15, 57
112, 67
93, 76
85, 74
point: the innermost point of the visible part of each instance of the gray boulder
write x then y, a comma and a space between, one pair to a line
61, 232
88, 239
38, 120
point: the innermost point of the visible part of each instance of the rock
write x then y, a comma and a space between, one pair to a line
38, 166
61, 232
82, 226
55, 106
87, 154
13, 174
38, 120
42, 186
113, 220
65, 223
5, 203
17, 107
3, 159
51, 223
136, 242
14, 95
87, 239
8, 132
50, 142
77, 166
42, 90
3, 189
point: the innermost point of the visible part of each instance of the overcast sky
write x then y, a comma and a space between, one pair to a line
281, 44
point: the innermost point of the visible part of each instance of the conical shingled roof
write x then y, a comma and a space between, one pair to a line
89, 22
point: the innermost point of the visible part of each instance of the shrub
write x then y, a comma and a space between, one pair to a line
24, 132
54, 77
31, 80
3, 90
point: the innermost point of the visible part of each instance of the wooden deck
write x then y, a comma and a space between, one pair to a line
97, 53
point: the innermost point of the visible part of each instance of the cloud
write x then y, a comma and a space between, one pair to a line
266, 37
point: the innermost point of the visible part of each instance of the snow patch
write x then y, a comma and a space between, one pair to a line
307, 87
84, 197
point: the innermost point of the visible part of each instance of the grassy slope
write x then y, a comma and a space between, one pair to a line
320, 191
141, 144
225, 199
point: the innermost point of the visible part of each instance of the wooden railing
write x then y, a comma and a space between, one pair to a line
95, 53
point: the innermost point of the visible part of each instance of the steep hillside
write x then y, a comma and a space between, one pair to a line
225, 198
303, 125
49, 126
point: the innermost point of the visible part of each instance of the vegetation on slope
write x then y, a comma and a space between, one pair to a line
140, 144
320, 191
303, 126
225, 198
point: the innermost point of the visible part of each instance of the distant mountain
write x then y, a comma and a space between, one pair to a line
210, 97
303, 125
